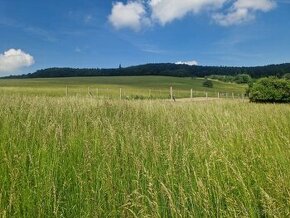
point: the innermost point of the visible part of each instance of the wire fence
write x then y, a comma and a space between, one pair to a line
129, 93
121, 93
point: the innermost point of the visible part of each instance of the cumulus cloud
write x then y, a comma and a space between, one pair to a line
190, 63
242, 11
131, 15
15, 59
136, 13
165, 11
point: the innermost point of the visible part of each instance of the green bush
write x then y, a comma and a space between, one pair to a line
270, 90
207, 83
242, 79
287, 76
223, 78
239, 79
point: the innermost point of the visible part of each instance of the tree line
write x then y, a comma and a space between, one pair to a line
166, 69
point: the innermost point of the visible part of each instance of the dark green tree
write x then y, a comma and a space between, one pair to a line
207, 83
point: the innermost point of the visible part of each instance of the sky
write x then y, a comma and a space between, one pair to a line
36, 34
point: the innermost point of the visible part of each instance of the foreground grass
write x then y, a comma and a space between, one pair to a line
77, 157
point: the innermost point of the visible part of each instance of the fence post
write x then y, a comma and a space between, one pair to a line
149, 93
191, 93
120, 93
171, 93
66, 91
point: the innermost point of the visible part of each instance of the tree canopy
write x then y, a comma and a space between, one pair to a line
270, 90
169, 69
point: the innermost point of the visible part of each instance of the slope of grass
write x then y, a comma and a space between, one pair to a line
109, 86
77, 157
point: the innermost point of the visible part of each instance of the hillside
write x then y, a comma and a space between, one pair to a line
166, 69
110, 86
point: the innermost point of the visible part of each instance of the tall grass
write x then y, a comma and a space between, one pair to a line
78, 157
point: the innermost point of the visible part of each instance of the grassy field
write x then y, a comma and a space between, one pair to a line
109, 87
82, 157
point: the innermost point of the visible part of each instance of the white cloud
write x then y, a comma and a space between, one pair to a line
165, 11
131, 15
190, 63
13, 60
137, 13
242, 11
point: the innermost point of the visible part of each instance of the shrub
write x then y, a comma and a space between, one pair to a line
270, 90
223, 78
239, 79
208, 83
287, 76
242, 78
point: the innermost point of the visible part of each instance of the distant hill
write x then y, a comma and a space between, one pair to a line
166, 69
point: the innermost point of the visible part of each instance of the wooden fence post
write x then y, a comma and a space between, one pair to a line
171, 93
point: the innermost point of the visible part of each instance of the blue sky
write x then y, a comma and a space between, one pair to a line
38, 34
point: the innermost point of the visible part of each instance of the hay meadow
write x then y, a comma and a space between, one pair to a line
84, 157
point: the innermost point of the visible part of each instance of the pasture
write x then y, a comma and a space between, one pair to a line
78, 156
109, 87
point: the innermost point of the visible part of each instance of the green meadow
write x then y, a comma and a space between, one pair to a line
81, 156
109, 87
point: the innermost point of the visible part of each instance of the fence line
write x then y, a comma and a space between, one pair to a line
129, 93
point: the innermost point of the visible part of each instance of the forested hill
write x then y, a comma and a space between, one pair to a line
164, 70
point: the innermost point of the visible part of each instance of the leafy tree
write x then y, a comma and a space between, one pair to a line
242, 78
207, 83
270, 90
